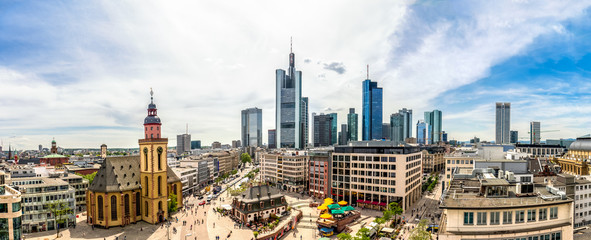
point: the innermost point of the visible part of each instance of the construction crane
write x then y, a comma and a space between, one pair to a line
540, 132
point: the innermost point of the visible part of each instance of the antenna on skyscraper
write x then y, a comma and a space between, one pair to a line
291, 44
367, 71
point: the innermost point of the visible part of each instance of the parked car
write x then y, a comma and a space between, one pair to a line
202, 203
200, 197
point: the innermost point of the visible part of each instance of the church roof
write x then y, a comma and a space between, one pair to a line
54, 156
118, 174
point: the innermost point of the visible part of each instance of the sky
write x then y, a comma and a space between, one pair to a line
81, 71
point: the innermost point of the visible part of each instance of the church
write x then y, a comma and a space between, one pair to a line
135, 188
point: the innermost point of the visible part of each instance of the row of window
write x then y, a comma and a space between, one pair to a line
460, 161
545, 236
482, 218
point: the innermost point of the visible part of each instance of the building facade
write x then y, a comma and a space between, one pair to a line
288, 171
305, 123
534, 132
288, 107
272, 138
343, 135
196, 144
502, 122
352, 125
386, 131
252, 127
11, 214
397, 127
258, 203
576, 160
320, 171
135, 188
371, 124
434, 122
540, 150
333, 128
433, 160
422, 132
183, 143
406, 123
514, 136
374, 174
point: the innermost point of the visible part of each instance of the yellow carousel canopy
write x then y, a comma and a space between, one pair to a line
326, 216
322, 207
342, 203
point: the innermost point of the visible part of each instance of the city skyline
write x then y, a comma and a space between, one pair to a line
83, 79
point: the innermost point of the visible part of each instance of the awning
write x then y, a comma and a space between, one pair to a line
334, 206
338, 211
226, 207
360, 201
343, 203
348, 208
326, 230
326, 216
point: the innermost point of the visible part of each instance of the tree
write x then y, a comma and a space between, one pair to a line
344, 236
393, 210
245, 158
60, 210
90, 177
420, 231
172, 203
362, 234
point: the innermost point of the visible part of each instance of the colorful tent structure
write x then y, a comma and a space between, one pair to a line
342, 203
322, 207
325, 216
334, 206
348, 208
338, 211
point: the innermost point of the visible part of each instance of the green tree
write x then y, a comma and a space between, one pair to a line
420, 231
172, 203
362, 234
393, 211
90, 177
344, 236
234, 172
245, 158
60, 210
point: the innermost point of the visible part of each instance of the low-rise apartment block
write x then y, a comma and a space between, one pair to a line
287, 170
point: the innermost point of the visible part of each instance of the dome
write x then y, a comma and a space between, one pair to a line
104, 145
152, 106
151, 119
581, 144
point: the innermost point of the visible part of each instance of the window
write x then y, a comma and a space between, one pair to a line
3, 208
507, 217
138, 210
146, 185
495, 218
113, 208
146, 157
16, 207
126, 202
481, 218
100, 207
468, 218
159, 158
146, 208
531, 215
553, 212
159, 187
519, 216
543, 212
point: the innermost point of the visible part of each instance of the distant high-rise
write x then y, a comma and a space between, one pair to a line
372, 111
252, 127
422, 132
386, 131
514, 136
236, 143
288, 107
352, 125
397, 125
343, 135
196, 144
443, 136
503, 122
40, 148
305, 122
333, 128
434, 122
407, 123
272, 139
322, 130
534, 132
183, 143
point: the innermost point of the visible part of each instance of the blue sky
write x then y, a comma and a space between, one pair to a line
81, 71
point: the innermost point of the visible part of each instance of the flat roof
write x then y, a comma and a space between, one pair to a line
457, 199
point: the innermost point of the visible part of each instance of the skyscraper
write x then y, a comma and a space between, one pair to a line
514, 136
503, 122
305, 122
352, 125
372, 111
397, 125
407, 123
288, 110
183, 143
272, 138
386, 131
433, 119
422, 132
333, 128
252, 127
534, 132
322, 130
343, 135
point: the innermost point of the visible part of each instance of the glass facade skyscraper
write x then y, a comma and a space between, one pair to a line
534, 133
352, 124
372, 111
407, 123
514, 136
433, 120
333, 128
502, 122
422, 132
397, 125
288, 118
252, 127
305, 121
272, 139
322, 130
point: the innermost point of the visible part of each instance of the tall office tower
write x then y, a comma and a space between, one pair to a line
196, 144
371, 125
305, 124
252, 127
312, 130
322, 130
40, 148
386, 131
343, 135
422, 132
514, 136
183, 143
352, 125
407, 123
502, 123
433, 120
397, 126
333, 128
534, 132
288, 107
272, 138
443, 136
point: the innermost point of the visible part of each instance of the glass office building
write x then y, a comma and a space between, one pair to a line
252, 127
352, 124
372, 111
288, 106
433, 120
333, 128
422, 132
